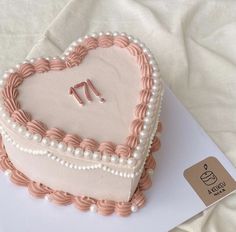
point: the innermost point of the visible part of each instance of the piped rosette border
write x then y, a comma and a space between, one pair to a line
83, 203
146, 116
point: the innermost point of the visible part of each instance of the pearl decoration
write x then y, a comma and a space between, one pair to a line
97, 156
134, 208
5, 115
122, 160
106, 157
12, 70
93, 208
6, 75
150, 171
131, 161
14, 126
21, 130
2, 82
137, 154
79, 152
114, 158
7, 172
28, 135
70, 149
88, 154
37, 137
94, 35
61, 146
75, 43
9, 121
115, 33
130, 37
46, 141
48, 197
54, 143
26, 61
143, 134
101, 33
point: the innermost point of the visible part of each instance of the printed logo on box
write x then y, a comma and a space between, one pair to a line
210, 180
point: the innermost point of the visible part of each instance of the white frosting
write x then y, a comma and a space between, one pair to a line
115, 74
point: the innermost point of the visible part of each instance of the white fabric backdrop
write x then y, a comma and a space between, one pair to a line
194, 42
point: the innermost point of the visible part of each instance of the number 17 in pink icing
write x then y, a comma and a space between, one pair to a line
86, 85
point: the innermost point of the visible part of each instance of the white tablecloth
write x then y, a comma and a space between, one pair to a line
193, 41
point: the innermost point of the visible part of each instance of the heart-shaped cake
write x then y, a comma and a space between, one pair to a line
81, 128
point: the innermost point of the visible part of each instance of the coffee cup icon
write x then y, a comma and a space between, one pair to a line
208, 177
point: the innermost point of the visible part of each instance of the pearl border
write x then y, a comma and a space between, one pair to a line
149, 120
67, 164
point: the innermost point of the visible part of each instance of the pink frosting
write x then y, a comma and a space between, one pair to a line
21, 117
57, 64
5, 163
11, 105
107, 147
81, 51
83, 203
14, 80
105, 207
150, 162
56, 134
136, 126
132, 141
123, 208
38, 190
105, 41
155, 144
121, 41
41, 65
61, 198
142, 59
9, 92
123, 150
147, 82
72, 140
134, 49
159, 128
90, 43
138, 198
26, 70
141, 110
145, 95
146, 70
73, 59
19, 178
89, 144
38, 127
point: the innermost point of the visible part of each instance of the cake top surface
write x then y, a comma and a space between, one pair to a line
114, 73
56, 102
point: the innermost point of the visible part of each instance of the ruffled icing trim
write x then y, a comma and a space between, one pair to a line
83, 203
75, 57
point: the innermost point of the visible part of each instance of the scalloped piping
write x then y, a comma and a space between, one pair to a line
74, 166
83, 203
75, 58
